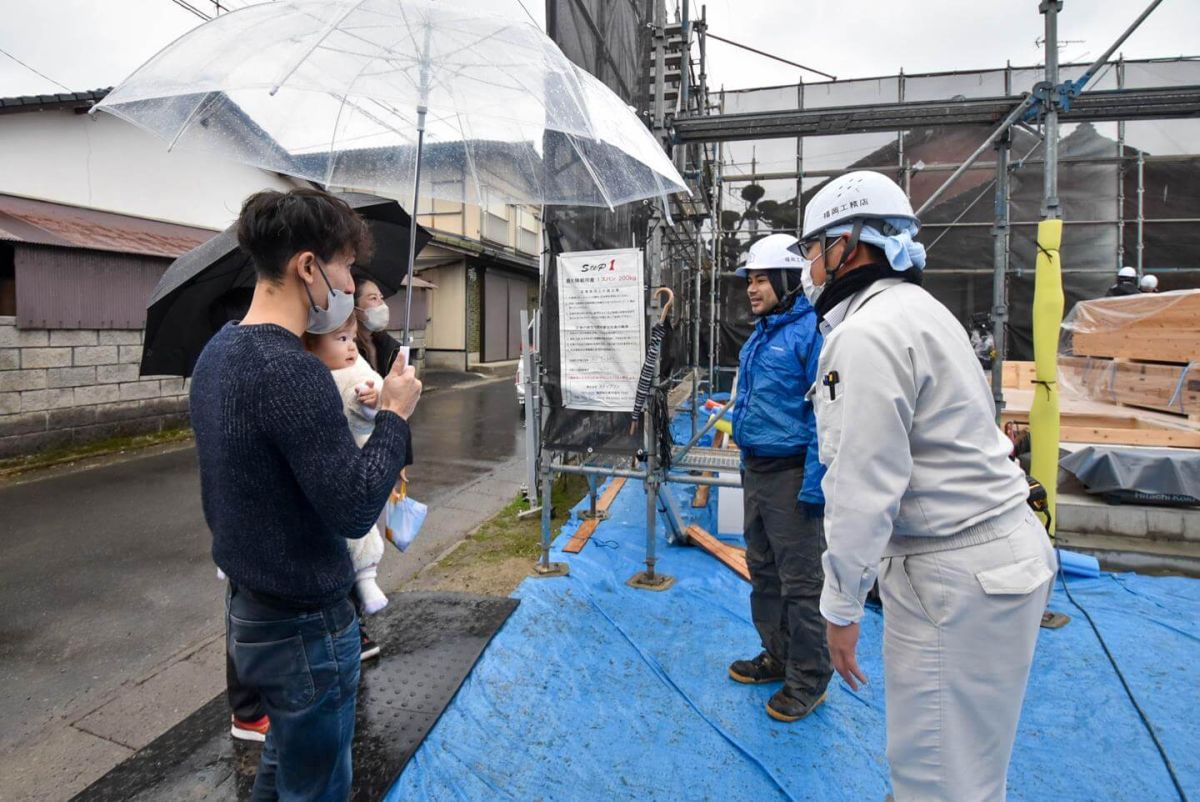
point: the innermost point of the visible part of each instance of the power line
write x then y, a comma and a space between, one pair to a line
768, 55
31, 69
186, 6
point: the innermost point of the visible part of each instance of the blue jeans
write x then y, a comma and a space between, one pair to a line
306, 667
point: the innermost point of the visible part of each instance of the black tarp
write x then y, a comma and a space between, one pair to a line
611, 41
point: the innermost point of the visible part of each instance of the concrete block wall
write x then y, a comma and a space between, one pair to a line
68, 387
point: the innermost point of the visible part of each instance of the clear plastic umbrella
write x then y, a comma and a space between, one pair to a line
401, 98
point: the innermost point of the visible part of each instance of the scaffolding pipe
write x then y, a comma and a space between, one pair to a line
1030, 223
754, 178
1083, 80
715, 269
1000, 271
799, 167
547, 495
1120, 171
1141, 209
626, 473
685, 59
696, 326
712, 421
651, 479
1006, 123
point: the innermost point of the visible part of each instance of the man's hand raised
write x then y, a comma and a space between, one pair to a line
401, 391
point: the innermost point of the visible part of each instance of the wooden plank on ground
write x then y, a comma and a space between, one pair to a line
585, 530
1158, 438
732, 556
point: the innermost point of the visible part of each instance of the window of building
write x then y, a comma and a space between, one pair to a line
8, 280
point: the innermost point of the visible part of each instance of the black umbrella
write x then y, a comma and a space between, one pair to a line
213, 283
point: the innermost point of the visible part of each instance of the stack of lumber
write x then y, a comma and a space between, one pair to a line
1157, 327
1132, 375
1086, 421
1137, 350
1018, 375
1163, 387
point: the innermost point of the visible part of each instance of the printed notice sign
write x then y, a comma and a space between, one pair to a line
601, 328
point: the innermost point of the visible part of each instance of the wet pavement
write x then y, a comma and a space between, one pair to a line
105, 573
430, 643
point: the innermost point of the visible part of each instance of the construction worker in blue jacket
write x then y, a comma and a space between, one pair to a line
774, 426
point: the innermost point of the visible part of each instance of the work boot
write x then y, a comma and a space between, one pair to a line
783, 706
763, 668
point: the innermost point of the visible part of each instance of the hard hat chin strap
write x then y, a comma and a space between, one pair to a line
851, 244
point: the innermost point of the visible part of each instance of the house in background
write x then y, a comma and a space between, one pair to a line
92, 211
484, 261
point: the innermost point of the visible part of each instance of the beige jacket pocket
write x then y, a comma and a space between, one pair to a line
1017, 579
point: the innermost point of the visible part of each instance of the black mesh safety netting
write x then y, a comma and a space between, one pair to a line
611, 40
1108, 211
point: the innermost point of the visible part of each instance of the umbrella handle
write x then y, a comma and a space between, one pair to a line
666, 310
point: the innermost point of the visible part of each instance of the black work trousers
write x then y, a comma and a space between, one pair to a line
783, 552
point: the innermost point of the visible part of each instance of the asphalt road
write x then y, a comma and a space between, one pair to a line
105, 572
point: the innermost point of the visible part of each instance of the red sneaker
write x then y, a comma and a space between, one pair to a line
250, 730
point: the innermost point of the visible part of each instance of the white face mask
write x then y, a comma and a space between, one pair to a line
376, 318
811, 291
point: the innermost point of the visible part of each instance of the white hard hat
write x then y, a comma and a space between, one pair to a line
773, 252
861, 194
1149, 283
1126, 272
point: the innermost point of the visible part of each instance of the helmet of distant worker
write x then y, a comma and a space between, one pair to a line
859, 208
1148, 284
772, 273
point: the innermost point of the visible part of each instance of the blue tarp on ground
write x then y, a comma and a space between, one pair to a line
596, 691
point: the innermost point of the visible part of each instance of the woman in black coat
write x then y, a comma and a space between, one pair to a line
379, 348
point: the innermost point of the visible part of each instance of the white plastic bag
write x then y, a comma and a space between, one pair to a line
403, 518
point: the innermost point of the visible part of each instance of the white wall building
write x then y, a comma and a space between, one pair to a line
52, 149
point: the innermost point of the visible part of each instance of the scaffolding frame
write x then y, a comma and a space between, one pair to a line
678, 241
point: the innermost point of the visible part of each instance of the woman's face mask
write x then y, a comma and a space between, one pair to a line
376, 318
337, 309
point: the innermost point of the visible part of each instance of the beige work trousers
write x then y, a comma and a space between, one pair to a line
960, 627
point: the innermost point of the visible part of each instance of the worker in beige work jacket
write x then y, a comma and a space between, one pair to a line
920, 492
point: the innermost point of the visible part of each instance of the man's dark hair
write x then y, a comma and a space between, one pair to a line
275, 226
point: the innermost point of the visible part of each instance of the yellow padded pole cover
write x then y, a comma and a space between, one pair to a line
1047, 320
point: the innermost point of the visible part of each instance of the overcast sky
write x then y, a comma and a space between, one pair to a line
85, 44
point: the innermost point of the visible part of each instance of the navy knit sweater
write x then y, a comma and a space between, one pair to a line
281, 480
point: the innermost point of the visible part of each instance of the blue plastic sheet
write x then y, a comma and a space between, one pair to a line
596, 691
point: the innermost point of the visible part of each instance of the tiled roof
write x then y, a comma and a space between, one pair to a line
65, 100
46, 223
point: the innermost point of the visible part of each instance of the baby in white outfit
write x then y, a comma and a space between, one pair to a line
359, 386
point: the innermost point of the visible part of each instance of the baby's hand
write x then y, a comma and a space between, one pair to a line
367, 393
